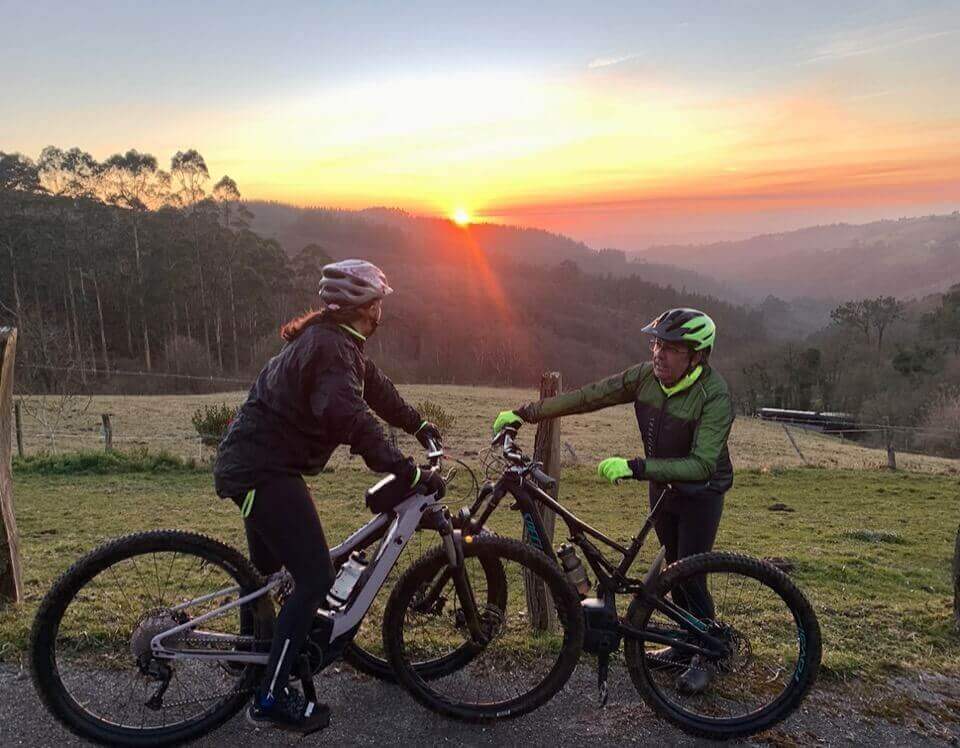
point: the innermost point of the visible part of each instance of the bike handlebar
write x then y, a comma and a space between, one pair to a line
513, 454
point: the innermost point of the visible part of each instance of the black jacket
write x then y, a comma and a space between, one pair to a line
313, 396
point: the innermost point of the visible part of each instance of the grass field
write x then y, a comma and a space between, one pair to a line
163, 422
872, 549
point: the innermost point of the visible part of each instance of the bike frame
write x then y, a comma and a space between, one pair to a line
394, 529
611, 579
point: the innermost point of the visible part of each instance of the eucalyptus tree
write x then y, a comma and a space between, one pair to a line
134, 185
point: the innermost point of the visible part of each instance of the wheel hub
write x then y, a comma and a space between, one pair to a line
152, 623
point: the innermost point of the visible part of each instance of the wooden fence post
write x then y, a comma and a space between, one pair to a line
540, 610
11, 585
891, 454
107, 432
794, 443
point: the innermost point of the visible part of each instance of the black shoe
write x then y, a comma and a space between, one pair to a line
667, 658
696, 678
290, 711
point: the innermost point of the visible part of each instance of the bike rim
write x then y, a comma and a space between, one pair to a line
499, 676
116, 611
765, 658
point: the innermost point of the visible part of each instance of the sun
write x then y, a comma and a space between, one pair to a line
461, 217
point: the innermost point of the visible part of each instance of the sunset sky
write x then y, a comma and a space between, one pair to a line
621, 124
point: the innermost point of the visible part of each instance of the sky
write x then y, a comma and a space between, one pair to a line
620, 124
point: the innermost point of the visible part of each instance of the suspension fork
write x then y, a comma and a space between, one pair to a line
453, 545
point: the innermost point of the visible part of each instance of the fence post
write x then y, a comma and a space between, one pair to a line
19, 424
891, 454
540, 610
11, 585
107, 432
794, 443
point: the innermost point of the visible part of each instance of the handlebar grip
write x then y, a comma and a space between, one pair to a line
548, 483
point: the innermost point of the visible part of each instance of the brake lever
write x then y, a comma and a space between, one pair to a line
434, 452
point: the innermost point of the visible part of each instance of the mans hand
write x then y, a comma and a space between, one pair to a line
506, 418
426, 432
615, 469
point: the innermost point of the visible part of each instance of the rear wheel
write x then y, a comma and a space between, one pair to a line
90, 645
771, 654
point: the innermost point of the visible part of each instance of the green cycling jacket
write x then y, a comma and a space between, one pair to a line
684, 429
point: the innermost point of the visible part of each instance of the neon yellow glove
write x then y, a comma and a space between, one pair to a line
614, 469
506, 418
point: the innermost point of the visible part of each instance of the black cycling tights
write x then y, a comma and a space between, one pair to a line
687, 526
283, 529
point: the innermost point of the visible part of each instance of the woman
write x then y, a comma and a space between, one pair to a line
316, 394
684, 413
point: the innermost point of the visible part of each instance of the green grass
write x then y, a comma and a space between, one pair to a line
872, 550
85, 462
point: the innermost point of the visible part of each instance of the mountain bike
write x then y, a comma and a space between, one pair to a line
160, 637
761, 645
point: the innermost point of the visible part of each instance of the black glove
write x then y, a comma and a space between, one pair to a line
427, 431
430, 483
393, 490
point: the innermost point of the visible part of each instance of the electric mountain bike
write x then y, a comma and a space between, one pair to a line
160, 637
760, 645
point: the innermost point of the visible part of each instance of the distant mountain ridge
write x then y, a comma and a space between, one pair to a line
387, 234
908, 257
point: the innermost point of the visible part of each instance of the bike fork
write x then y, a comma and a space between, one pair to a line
453, 543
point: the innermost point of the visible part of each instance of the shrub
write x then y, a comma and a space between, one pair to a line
212, 421
98, 463
436, 414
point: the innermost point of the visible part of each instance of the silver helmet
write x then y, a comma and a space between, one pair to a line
349, 284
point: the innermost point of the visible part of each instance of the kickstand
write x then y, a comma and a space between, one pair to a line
603, 667
306, 679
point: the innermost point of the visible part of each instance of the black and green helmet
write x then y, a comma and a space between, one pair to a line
690, 326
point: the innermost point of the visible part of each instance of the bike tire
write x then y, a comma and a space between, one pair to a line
808, 641
532, 560
379, 667
257, 616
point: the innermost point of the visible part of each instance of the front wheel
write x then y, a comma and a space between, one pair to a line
514, 669
771, 646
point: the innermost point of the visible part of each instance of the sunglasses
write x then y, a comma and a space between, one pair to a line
677, 348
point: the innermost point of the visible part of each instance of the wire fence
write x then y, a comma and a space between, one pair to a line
163, 423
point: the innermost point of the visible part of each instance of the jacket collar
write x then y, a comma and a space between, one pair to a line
684, 384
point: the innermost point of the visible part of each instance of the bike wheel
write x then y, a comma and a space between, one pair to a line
366, 651
518, 669
90, 642
772, 640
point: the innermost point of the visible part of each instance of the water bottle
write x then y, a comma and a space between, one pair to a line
346, 580
573, 568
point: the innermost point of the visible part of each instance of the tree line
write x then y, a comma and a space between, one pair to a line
120, 265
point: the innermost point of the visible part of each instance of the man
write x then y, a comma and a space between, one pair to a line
684, 413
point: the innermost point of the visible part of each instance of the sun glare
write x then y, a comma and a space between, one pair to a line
461, 217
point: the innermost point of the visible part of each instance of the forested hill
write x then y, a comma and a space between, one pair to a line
385, 234
909, 257
122, 266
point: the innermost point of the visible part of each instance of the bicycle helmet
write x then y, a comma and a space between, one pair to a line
690, 326
349, 284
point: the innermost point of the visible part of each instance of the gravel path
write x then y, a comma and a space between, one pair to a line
366, 712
